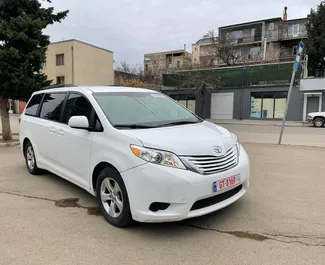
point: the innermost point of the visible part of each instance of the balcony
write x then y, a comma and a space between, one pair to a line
294, 35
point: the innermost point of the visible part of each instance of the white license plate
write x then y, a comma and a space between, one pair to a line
226, 183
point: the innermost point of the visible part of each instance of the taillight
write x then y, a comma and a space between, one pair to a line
19, 120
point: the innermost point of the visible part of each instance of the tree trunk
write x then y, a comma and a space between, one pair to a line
6, 131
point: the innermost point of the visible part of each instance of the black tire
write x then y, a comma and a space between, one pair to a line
319, 122
124, 218
28, 152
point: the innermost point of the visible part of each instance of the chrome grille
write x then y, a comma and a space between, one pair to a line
214, 164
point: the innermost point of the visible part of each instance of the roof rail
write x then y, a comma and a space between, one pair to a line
57, 86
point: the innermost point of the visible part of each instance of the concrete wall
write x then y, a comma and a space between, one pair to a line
92, 66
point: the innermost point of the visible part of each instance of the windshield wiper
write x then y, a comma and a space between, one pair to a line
179, 123
133, 126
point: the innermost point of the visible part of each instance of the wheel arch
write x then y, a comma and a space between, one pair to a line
98, 168
319, 117
26, 140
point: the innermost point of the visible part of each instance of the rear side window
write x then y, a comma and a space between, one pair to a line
77, 105
52, 105
33, 105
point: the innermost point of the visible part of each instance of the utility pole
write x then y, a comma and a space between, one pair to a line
295, 68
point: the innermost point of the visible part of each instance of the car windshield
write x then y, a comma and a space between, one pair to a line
141, 110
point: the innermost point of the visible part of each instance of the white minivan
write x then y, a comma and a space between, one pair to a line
144, 156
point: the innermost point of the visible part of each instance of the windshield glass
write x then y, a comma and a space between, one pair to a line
142, 110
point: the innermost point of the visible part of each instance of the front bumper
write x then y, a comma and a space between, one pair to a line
150, 183
309, 119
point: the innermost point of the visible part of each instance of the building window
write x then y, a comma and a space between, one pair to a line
59, 59
268, 105
146, 67
178, 64
60, 80
154, 61
253, 31
271, 26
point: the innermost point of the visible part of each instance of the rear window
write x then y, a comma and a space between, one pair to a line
52, 105
33, 105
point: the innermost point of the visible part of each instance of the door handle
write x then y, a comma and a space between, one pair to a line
60, 132
52, 129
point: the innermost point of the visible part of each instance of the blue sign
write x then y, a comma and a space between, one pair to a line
297, 61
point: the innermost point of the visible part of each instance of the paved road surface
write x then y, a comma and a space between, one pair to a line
280, 221
305, 136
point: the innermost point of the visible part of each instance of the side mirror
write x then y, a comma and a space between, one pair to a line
79, 122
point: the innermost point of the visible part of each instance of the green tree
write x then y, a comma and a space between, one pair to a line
22, 51
315, 44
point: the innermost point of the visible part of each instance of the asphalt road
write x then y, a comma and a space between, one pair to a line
281, 220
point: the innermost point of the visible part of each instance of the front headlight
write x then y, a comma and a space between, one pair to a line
236, 139
158, 157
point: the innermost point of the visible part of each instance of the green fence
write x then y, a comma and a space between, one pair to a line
266, 74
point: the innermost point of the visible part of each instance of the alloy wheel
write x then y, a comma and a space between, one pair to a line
30, 156
111, 197
319, 122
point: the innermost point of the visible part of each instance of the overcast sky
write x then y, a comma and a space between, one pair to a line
131, 28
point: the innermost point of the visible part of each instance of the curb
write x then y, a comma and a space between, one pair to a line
10, 144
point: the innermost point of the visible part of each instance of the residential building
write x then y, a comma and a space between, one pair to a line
203, 51
161, 62
75, 62
269, 40
256, 79
256, 92
78, 63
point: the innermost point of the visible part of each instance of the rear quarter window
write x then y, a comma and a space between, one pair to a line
33, 105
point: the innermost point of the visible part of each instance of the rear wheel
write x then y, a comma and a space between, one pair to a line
319, 122
113, 198
30, 159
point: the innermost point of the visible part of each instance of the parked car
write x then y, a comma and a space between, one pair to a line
143, 155
317, 118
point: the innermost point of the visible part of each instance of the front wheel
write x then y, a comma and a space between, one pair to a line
319, 122
113, 198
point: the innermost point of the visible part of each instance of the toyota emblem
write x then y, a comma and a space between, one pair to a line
217, 149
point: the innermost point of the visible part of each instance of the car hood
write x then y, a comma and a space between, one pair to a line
192, 139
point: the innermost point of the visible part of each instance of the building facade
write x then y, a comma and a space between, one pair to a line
203, 52
78, 63
270, 40
157, 63
313, 94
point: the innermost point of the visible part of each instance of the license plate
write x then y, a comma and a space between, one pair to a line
226, 183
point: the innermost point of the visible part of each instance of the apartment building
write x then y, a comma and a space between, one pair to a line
269, 40
160, 62
79, 63
203, 51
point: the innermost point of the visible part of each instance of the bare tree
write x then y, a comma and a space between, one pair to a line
200, 82
224, 47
